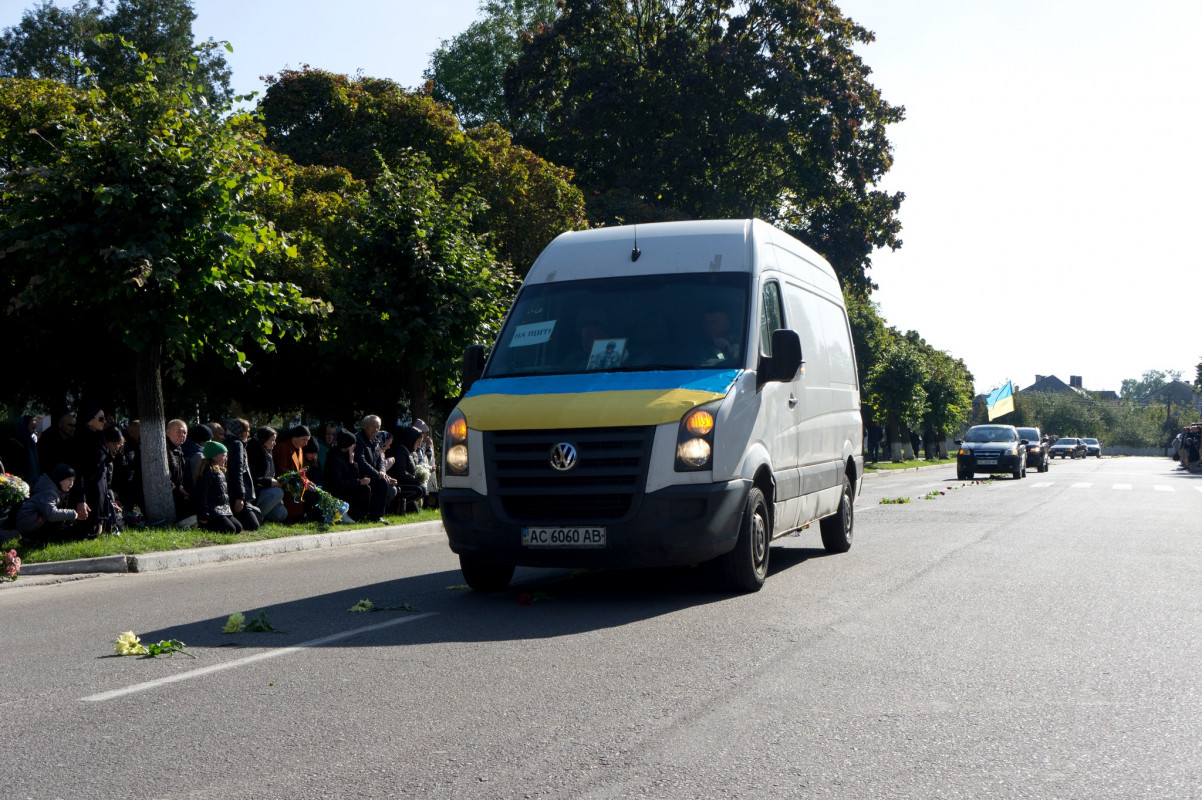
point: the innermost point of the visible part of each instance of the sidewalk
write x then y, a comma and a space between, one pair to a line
53, 571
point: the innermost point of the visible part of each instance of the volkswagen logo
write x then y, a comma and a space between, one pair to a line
563, 457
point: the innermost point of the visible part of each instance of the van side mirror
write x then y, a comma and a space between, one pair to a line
473, 366
786, 356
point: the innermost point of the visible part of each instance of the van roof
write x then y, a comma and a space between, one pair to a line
725, 245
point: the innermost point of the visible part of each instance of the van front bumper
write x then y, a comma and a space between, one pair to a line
675, 526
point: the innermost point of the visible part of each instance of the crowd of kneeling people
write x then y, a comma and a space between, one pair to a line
1186, 446
224, 477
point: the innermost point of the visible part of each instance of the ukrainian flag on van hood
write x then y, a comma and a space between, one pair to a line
591, 400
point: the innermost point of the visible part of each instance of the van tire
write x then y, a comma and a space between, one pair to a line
837, 529
745, 568
484, 577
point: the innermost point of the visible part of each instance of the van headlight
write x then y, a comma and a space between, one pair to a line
455, 456
695, 442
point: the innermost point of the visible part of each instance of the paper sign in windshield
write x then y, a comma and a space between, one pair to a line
535, 333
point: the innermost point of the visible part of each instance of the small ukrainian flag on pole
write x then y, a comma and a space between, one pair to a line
1000, 401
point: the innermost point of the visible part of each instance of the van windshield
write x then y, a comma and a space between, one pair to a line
623, 324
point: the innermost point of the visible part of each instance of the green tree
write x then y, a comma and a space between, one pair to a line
467, 72
712, 108
896, 388
367, 124
81, 44
1140, 391
423, 285
138, 225
949, 389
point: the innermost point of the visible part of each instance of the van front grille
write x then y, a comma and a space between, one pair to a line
609, 472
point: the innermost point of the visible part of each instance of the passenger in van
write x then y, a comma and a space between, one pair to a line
720, 344
592, 326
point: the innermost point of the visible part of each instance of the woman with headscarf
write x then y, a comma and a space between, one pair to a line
410, 491
20, 450
344, 479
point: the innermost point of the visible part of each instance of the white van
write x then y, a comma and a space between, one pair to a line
647, 404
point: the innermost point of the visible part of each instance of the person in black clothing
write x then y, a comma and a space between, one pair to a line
239, 480
20, 451
47, 515
344, 479
96, 447
262, 471
213, 511
876, 435
177, 468
410, 491
369, 455
54, 445
127, 471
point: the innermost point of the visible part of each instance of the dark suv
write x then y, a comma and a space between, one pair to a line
1037, 448
991, 448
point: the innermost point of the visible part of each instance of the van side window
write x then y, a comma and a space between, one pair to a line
770, 316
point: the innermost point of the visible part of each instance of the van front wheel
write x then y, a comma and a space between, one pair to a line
837, 529
485, 577
745, 568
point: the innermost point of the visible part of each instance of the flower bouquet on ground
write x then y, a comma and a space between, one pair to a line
10, 565
297, 483
13, 492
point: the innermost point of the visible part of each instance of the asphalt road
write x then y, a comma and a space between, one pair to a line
1033, 638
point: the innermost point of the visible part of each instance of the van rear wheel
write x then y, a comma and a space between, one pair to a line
484, 577
837, 529
745, 568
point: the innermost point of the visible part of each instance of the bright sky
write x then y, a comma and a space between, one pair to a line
1048, 160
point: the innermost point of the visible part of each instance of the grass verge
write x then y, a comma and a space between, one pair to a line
882, 466
156, 540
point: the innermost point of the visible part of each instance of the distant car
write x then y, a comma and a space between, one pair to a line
1067, 447
991, 448
1037, 448
1093, 447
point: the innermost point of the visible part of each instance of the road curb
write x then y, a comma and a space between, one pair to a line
78, 566
172, 559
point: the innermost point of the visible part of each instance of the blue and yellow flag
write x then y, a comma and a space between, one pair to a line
591, 400
1000, 401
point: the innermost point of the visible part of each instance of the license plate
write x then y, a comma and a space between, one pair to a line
986, 460
563, 537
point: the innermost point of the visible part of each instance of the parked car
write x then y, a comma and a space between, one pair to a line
1067, 447
991, 448
1093, 447
1037, 448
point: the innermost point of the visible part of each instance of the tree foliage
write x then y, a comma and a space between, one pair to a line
467, 72
137, 228
1140, 391
366, 125
82, 44
712, 108
896, 386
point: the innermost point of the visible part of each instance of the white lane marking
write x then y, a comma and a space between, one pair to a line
1122, 486
1081, 485
1199, 488
238, 662
1042, 484
1163, 488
